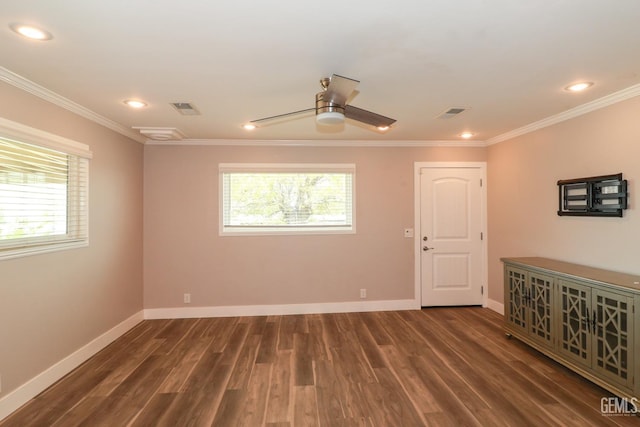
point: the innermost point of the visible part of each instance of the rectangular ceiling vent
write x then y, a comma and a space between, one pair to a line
452, 112
185, 108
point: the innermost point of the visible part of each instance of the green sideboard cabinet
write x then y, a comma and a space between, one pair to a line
586, 318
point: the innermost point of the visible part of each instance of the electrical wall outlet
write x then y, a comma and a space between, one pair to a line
408, 232
187, 298
363, 293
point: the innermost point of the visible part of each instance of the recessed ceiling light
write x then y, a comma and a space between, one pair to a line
134, 103
249, 126
31, 32
577, 87
466, 135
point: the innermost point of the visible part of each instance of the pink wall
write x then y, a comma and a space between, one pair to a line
523, 195
52, 304
184, 253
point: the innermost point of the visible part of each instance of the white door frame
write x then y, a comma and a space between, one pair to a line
417, 249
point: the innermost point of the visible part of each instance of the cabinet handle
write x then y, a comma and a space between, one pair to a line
594, 321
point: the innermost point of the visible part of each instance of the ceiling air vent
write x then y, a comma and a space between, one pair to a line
452, 112
185, 108
160, 134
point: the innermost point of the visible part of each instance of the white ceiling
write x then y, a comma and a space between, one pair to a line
240, 60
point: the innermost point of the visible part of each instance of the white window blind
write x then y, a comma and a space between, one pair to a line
287, 198
43, 198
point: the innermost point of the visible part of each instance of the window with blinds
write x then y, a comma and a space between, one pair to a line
43, 197
287, 198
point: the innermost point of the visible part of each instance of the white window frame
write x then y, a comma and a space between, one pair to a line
13, 248
223, 168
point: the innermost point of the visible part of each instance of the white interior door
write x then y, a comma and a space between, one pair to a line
450, 236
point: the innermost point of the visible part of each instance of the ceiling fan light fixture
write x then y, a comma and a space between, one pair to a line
249, 126
383, 128
330, 118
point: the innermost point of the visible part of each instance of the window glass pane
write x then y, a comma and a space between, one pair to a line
284, 200
43, 199
33, 191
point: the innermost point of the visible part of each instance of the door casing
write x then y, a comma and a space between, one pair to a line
417, 249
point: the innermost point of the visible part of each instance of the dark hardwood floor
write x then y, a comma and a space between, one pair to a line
439, 366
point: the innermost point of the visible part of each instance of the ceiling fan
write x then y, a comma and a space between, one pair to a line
332, 108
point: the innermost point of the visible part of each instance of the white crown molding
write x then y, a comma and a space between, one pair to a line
580, 110
27, 85
279, 309
318, 143
18, 397
50, 96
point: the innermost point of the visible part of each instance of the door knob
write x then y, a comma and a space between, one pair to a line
425, 248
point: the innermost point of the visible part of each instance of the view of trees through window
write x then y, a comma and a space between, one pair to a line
31, 207
282, 199
33, 191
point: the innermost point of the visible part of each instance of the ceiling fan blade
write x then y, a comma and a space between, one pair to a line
339, 89
279, 116
364, 116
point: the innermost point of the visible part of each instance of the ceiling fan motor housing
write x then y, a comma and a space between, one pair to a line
328, 113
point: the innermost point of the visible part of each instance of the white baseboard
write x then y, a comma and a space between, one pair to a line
279, 309
496, 306
39, 383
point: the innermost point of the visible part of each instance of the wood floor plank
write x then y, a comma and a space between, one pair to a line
331, 394
199, 405
279, 403
244, 363
153, 413
432, 367
368, 345
302, 361
286, 331
74, 416
305, 407
183, 361
131, 395
230, 408
377, 331
254, 406
388, 403
124, 364
416, 389
268, 343
56, 401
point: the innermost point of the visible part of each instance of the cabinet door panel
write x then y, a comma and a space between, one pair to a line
516, 310
613, 336
541, 308
574, 320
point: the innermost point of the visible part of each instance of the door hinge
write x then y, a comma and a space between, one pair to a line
481, 235
480, 182
481, 290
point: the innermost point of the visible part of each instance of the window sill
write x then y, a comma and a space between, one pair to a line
282, 231
42, 249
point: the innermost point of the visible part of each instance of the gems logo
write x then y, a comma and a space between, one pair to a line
619, 406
